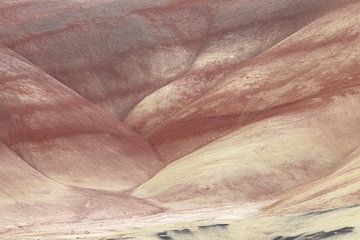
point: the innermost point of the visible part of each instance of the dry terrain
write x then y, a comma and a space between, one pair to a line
180, 119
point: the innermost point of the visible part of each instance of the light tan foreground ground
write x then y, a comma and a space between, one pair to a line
227, 222
102, 229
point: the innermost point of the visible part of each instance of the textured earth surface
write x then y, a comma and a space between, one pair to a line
180, 119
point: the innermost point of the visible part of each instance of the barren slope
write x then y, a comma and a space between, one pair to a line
114, 53
337, 190
241, 104
240, 30
319, 58
65, 137
303, 99
28, 197
23, 190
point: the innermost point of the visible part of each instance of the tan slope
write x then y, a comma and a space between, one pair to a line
302, 98
240, 30
339, 189
22, 187
28, 197
65, 137
114, 53
264, 159
321, 57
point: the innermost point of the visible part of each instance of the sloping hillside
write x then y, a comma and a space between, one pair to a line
115, 53
172, 109
65, 137
298, 107
28, 197
339, 189
300, 67
24, 191
240, 30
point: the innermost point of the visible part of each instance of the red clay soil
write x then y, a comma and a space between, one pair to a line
253, 90
101, 99
64, 136
303, 92
116, 53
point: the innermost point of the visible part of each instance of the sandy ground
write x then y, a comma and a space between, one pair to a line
226, 223
102, 229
